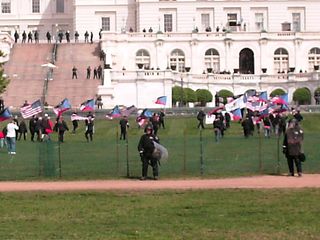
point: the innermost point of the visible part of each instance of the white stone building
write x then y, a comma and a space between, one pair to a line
255, 44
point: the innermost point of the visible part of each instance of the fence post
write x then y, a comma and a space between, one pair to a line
260, 153
184, 151
278, 155
59, 152
40, 160
127, 156
201, 153
117, 151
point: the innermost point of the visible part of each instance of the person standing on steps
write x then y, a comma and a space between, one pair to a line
74, 72
48, 35
91, 37
86, 37
24, 37
88, 72
76, 37
16, 36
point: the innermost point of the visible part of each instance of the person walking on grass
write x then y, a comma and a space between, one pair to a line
200, 117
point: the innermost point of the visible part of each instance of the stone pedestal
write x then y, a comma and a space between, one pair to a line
106, 93
106, 90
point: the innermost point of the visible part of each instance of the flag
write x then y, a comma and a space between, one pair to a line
5, 114
75, 116
248, 94
263, 96
127, 111
143, 118
161, 100
236, 103
31, 109
236, 114
283, 99
62, 107
114, 113
87, 105
215, 110
141, 121
146, 113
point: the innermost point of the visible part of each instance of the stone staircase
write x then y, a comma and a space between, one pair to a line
62, 86
26, 74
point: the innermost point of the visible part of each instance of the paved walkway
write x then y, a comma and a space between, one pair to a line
256, 182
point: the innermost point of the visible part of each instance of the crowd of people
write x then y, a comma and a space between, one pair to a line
33, 36
97, 72
275, 123
41, 128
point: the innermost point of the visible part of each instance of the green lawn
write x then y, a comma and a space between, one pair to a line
107, 157
218, 214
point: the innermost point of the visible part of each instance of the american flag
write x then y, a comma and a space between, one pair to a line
31, 109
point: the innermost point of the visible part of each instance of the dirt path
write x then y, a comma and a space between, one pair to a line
257, 182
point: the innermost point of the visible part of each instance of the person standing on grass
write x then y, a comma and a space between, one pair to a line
22, 130
161, 119
60, 127
32, 126
89, 128
124, 124
146, 149
12, 127
292, 146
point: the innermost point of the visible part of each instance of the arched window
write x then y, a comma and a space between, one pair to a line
177, 60
281, 60
143, 59
212, 60
314, 58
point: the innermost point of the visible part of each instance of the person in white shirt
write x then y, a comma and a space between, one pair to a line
11, 136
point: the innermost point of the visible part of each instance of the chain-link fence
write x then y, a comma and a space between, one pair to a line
191, 154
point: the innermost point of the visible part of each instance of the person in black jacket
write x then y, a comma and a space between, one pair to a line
32, 126
89, 128
292, 146
22, 130
201, 115
61, 127
146, 149
124, 124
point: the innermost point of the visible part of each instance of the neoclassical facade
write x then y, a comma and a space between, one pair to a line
152, 45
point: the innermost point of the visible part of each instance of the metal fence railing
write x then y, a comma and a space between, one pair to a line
195, 155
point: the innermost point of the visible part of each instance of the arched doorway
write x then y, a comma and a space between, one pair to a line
246, 61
